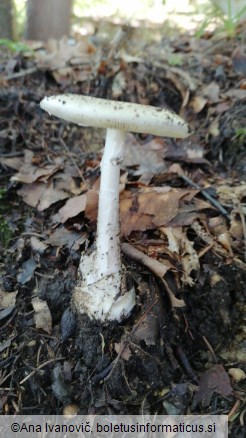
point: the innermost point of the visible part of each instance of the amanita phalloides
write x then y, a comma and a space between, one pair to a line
99, 292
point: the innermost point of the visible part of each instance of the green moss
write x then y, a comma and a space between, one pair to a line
14, 46
240, 135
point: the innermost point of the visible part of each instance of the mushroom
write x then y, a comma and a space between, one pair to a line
101, 290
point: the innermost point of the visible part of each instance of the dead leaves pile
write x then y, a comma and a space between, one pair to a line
57, 183
168, 211
156, 218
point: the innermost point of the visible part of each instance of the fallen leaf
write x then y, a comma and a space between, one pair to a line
60, 54
72, 207
215, 380
14, 163
27, 270
7, 303
29, 173
63, 237
42, 316
236, 93
91, 205
189, 151
151, 207
51, 196
38, 245
214, 127
231, 195
7, 299
6, 312
5, 344
41, 195
198, 103
211, 92
125, 352
31, 193
180, 244
147, 330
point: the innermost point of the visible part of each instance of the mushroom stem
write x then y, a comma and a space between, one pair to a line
102, 292
108, 258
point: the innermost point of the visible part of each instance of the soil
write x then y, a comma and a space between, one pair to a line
162, 359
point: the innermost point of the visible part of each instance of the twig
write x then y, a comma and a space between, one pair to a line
234, 409
210, 348
28, 71
6, 377
32, 234
206, 195
44, 275
15, 311
155, 266
184, 361
39, 368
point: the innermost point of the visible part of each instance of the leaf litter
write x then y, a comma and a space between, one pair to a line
185, 254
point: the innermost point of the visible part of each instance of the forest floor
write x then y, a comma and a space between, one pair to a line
183, 349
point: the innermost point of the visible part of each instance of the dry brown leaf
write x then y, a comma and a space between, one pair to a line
180, 244
215, 380
211, 92
236, 229
51, 196
182, 81
41, 195
27, 271
190, 151
236, 93
151, 208
125, 353
72, 208
61, 56
91, 205
214, 129
7, 299
147, 330
63, 237
29, 173
231, 196
38, 245
14, 163
60, 52
198, 103
31, 193
42, 316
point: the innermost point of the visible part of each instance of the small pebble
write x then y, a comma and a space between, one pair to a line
70, 410
237, 374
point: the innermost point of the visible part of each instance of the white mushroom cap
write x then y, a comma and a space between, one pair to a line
124, 116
